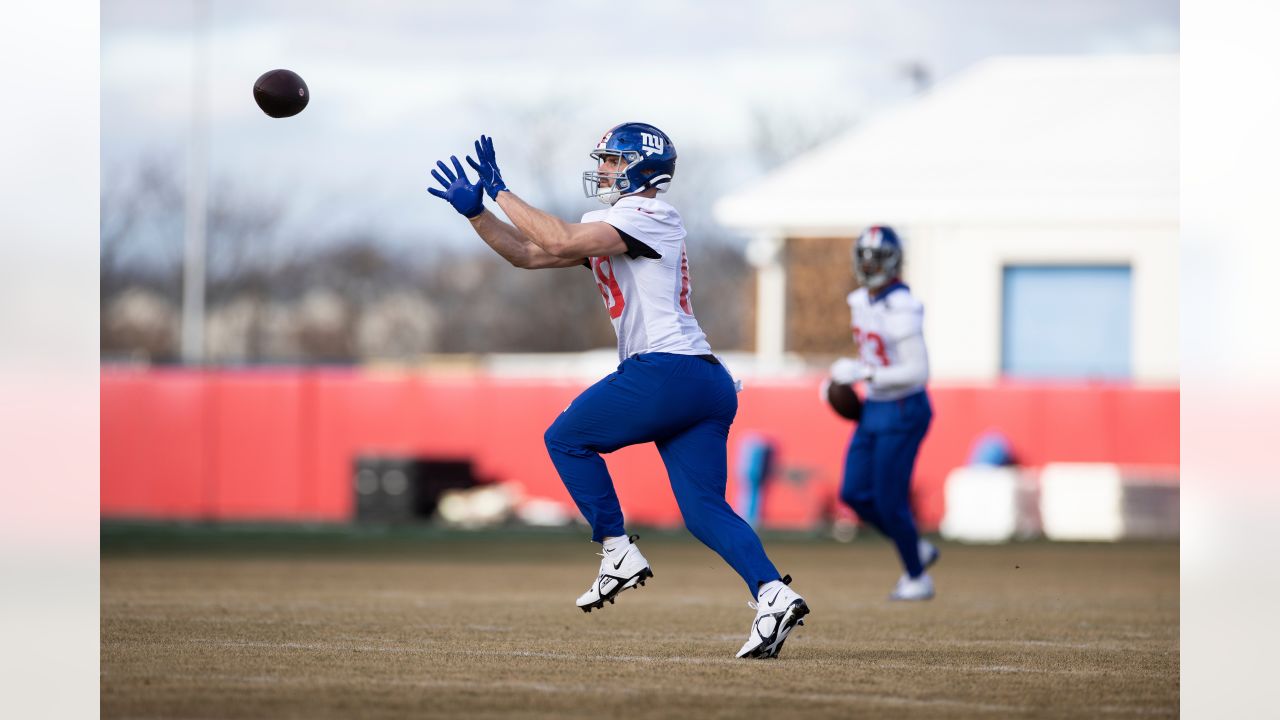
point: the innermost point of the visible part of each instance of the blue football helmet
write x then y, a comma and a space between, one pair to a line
650, 159
877, 257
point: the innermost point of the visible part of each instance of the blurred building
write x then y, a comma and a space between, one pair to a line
1038, 199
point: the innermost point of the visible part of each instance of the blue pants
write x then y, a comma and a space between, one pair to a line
877, 470
684, 405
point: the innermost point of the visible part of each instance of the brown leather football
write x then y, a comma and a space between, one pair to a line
842, 398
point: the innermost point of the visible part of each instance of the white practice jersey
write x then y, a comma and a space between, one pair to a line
648, 298
882, 328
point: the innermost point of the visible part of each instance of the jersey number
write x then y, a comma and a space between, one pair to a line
877, 343
602, 269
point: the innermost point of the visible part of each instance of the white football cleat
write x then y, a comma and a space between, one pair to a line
778, 612
909, 588
621, 569
929, 553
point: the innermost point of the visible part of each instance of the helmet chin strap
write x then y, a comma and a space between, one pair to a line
613, 195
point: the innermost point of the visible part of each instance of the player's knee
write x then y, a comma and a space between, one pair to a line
554, 437
858, 502
702, 528
699, 516
696, 528
895, 515
560, 439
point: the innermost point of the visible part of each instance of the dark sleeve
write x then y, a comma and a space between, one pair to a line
636, 249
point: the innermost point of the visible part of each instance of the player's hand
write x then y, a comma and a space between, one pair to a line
849, 371
466, 198
487, 167
825, 388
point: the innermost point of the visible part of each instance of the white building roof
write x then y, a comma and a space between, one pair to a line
1012, 140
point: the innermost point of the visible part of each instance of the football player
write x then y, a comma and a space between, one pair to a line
669, 389
888, 329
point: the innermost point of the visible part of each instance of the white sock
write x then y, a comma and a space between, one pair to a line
613, 543
768, 587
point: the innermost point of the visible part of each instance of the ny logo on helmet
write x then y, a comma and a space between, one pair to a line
651, 144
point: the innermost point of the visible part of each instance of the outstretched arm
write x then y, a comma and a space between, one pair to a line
514, 247
507, 241
572, 241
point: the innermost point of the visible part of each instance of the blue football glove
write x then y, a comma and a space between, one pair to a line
487, 168
465, 197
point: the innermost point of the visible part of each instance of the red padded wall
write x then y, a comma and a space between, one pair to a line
280, 444
154, 430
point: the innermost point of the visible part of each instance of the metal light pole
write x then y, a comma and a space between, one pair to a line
193, 267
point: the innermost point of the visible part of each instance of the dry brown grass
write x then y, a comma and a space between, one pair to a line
454, 629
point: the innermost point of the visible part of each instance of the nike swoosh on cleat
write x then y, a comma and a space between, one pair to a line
774, 646
618, 564
775, 597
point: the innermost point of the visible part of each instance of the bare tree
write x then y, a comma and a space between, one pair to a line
140, 255
779, 135
278, 293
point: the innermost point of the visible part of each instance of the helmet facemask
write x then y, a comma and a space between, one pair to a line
608, 187
875, 267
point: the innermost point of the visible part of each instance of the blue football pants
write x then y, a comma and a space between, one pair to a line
684, 405
878, 467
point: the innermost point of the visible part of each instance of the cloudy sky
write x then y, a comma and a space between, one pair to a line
397, 84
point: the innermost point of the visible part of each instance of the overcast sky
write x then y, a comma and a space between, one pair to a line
397, 84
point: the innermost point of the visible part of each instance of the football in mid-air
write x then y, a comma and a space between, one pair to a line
842, 398
281, 93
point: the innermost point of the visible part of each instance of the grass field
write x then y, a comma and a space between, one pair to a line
334, 624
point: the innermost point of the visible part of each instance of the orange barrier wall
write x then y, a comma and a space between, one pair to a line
279, 444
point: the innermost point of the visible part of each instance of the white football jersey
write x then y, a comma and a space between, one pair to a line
648, 299
880, 327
